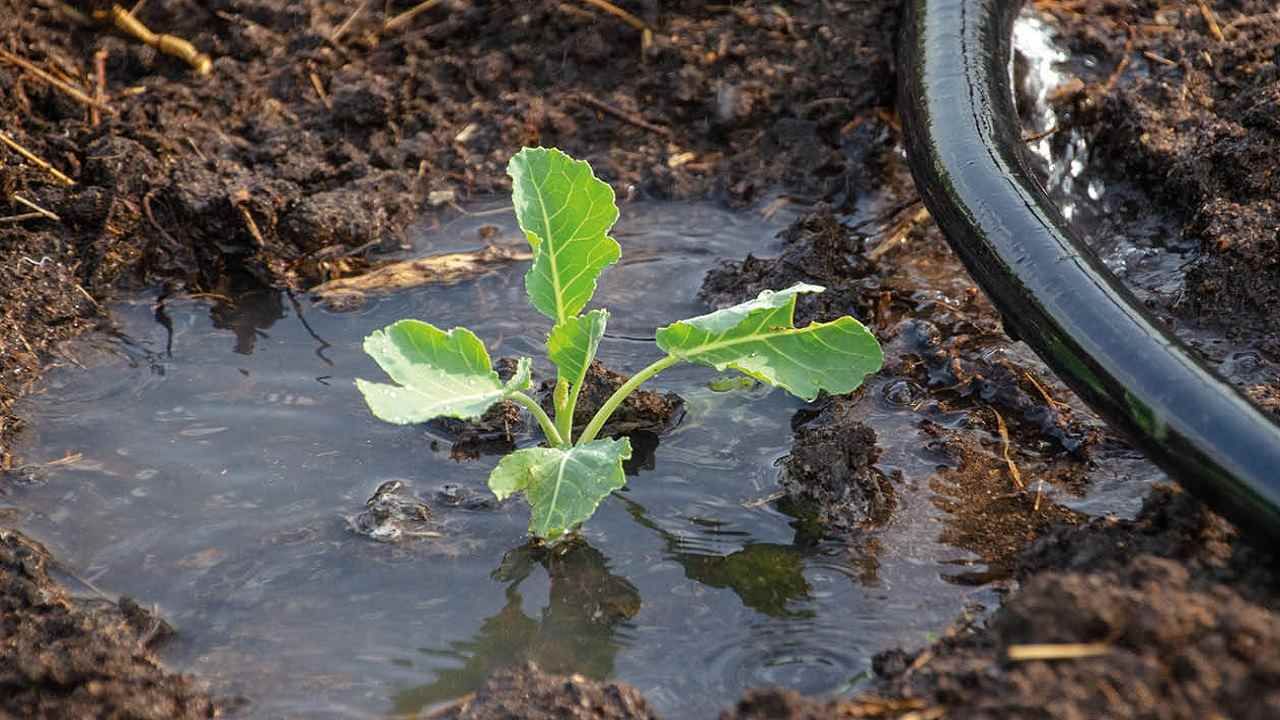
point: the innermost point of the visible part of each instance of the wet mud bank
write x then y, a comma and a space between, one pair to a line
321, 134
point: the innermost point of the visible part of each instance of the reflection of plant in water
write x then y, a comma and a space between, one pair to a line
574, 634
767, 577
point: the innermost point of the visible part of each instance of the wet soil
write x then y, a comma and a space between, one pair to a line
62, 657
644, 411
527, 692
1182, 99
831, 468
1185, 609
308, 149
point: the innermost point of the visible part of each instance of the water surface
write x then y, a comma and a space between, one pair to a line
224, 449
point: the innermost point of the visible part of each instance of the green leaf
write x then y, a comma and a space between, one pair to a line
758, 338
566, 213
440, 374
573, 343
564, 485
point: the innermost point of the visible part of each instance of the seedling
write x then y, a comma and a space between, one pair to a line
566, 214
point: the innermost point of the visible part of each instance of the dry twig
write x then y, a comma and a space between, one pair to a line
621, 14
21, 217
73, 92
100, 86
1056, 651
319, 88
899, 232
627, 117
407, 16
1212, 21
1014, 472
34, 159
34, 207
125, 22
346, 24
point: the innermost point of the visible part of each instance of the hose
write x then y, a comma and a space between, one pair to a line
972, 169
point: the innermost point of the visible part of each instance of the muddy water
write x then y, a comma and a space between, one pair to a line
224, 453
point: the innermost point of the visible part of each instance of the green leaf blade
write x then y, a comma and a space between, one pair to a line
566, 213
439, 374
564, 485
573, 343
758, 338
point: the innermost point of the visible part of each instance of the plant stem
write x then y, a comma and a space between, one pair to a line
548, 427
565, 400
606, 410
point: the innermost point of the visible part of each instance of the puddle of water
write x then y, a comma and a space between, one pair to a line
224, 448
215, 478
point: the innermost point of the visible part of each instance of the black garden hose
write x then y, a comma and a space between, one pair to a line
971, 166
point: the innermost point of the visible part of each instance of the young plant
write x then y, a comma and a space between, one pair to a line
566, 214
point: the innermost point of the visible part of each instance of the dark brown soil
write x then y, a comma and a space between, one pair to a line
1186, 610
527, 693
1195, 119
643, 411
65, 658
831, 467
946, 356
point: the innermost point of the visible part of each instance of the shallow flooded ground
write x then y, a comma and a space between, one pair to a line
223, 457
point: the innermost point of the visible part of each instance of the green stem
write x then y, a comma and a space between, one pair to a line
548, 427
564, 411
606, 410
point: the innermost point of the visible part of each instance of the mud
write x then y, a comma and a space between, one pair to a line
527, 692
644, 414
65, 657
831, 468
1185, 609
644, 411
1184, 102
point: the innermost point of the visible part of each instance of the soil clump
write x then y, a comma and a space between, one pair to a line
527, 692
65, 657
646, 411
831, 467
1184, 608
